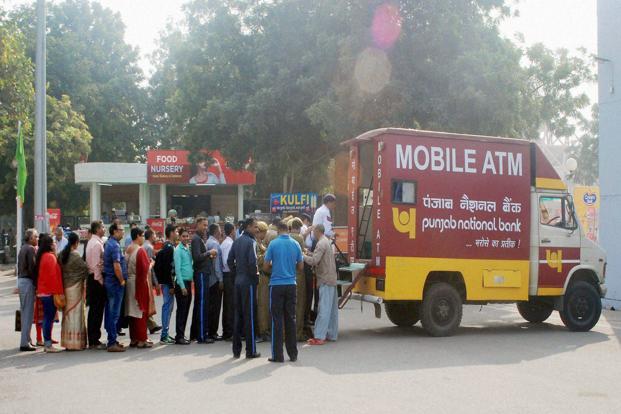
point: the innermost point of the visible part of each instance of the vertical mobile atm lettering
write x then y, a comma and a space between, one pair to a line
453, 160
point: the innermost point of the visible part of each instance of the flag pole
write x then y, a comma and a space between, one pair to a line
40, 154
18, 213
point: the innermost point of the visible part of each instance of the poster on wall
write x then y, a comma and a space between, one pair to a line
587, 200
55, 217
205, 168
293, 202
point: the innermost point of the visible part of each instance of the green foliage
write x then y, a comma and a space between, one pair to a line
586, 151
88, 60
553, 79
16, 104
68, 142
284, 82
68, 138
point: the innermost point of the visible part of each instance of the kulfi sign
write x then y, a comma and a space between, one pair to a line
289, 202
208, 168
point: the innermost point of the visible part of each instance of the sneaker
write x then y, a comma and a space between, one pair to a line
52, 350
167, 341
116, 348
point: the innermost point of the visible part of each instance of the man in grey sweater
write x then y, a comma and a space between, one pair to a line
322, 258
27, 285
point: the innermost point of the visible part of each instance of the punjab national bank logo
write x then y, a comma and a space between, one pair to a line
405, 221
555, 260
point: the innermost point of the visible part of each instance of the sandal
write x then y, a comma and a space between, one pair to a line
143, 345
315, 341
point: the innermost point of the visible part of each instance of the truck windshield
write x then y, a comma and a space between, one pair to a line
557, 212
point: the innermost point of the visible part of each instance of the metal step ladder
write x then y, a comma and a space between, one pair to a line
365, 219
350, 285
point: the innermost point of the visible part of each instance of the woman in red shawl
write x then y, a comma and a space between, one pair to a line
137, 290
49, 283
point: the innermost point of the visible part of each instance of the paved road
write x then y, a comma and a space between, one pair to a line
496, 363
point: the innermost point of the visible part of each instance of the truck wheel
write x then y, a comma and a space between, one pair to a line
403, 314
441, 310
582, 307
534, 312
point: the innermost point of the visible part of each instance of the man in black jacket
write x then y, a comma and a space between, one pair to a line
243, 260
164, 269
203, 266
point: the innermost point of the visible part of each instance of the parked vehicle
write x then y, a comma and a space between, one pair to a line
440, 219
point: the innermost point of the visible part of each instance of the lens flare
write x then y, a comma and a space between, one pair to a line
386, 26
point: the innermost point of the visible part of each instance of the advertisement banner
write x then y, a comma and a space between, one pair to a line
286, 202
174, 167
157, 225
462, 196
586, 200
54, 214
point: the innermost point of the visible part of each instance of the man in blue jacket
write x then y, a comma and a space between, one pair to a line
243, 260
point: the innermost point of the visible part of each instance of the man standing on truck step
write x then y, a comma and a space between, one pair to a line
327, 322
324, 216
283, 258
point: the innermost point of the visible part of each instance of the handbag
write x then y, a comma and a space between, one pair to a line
59, 301
18, 321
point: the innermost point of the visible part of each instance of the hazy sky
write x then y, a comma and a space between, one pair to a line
556, 23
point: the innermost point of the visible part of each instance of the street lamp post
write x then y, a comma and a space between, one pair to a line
40, 155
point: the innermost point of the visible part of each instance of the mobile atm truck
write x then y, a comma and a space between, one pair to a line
438, 220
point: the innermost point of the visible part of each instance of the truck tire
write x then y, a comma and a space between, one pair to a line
582, 307
441, 310
403, 313
534, 312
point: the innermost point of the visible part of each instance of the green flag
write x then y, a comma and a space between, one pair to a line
20, 158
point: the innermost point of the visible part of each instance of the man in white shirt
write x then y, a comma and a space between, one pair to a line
324, 216
229, 283
61, 240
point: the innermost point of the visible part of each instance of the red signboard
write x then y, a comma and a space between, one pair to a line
439, 194
157, 225
463, 196
174, 167
55, 217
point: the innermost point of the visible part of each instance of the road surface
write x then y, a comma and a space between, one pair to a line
496, 363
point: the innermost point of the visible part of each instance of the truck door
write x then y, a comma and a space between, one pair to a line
559, 242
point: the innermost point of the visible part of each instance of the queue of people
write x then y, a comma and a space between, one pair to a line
259, 280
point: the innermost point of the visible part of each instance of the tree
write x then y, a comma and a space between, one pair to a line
285, 82
552, 91
68, 138
586, 151
16, 104
89, 61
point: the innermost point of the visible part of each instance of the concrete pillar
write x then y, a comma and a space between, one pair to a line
163, 201
144, 201
240, 202
609, 68
95, 202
